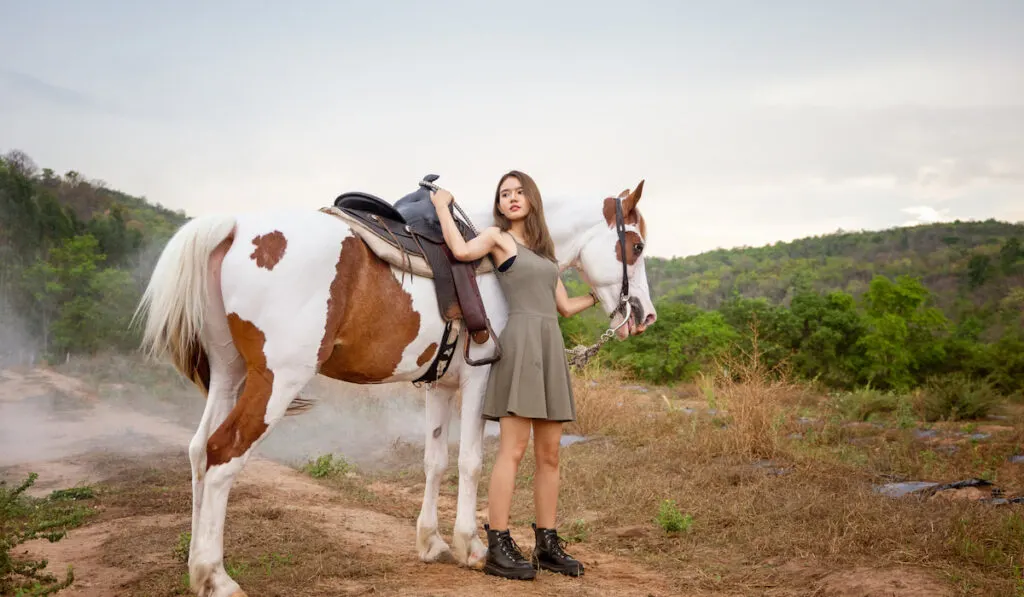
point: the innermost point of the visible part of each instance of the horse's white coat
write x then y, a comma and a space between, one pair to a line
288, 303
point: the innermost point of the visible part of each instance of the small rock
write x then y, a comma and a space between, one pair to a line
1017, 459
925, 433
896, 490
569, 439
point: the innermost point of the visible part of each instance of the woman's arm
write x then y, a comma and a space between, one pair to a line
476, 248
567, 307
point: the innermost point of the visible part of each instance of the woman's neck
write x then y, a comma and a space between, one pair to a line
518, 229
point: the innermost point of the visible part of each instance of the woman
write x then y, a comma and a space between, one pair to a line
529, 387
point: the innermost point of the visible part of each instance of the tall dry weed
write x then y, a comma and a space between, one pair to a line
602, 407
755, 398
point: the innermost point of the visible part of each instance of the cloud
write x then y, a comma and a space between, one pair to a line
925, 214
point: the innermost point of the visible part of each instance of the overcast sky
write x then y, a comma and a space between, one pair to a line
751, 121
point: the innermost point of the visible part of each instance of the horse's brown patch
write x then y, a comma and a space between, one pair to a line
370, 319
269, 249
245, 423
632, 240
427, 354
630, 215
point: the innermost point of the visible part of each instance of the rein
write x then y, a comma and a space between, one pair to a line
579, 355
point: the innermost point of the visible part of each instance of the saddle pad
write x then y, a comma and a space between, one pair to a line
386, 249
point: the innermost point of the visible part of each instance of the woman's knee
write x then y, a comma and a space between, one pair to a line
546, 455
514, 449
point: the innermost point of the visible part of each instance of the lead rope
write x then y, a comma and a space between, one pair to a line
579, 355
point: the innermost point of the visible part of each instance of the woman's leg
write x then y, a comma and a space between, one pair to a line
515, 435
546, 438
503, 555
548, 552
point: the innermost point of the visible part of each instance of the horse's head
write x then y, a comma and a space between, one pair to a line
611, 261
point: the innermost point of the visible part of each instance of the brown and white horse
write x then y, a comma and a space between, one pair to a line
251, 306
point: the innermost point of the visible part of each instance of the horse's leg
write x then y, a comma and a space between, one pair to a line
468, 549
261, 406
429, 544
224, 380
227, 371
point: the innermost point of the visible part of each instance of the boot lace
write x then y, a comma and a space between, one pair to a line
556, 545
511, 549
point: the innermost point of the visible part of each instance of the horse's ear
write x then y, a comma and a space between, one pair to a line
629, 203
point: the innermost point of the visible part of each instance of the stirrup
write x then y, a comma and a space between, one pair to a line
486, 360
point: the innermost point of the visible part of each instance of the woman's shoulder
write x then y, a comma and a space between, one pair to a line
498, 235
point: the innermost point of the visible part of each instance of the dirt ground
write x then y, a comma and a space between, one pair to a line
287, 533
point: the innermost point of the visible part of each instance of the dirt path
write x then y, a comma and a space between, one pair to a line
267, 487
76, 429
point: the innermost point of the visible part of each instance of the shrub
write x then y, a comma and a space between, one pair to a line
23, 518
956, 397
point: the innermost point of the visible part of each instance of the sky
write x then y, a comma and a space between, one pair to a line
749, 121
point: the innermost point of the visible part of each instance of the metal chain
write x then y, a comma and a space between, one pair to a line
580, 355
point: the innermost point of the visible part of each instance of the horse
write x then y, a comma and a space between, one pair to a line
251, 306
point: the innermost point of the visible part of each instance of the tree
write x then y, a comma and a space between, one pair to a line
1009, 255
900, 344
979, 270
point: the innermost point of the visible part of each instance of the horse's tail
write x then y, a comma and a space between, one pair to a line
175, 301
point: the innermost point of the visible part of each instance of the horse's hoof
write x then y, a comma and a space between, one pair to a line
471, 553
436, 551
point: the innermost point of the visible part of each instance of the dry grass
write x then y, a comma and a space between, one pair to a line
767, 527
269, 550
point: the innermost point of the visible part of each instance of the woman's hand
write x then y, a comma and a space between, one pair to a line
441, 198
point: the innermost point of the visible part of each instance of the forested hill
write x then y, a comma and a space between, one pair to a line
74, 259
962, 263
891, 309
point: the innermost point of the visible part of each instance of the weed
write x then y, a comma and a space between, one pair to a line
327, 466
181, 549
577, 531
671, 519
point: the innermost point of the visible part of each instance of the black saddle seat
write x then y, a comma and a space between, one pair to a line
368, 203
415, 210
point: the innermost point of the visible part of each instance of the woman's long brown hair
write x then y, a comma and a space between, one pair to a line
538, 239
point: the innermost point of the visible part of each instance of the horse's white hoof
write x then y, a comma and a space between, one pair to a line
434, 549
471, 553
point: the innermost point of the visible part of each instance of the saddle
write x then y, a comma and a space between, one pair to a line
408, 236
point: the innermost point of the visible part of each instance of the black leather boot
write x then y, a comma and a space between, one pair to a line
550, 555
504, 558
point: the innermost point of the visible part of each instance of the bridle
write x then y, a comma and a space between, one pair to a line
623, 306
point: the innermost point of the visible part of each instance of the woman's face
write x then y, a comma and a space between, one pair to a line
512, 200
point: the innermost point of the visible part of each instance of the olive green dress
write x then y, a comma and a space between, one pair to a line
531, 379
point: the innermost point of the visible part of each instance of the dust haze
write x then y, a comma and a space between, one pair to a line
127, 406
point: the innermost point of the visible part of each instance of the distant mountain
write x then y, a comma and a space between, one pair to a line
962, 263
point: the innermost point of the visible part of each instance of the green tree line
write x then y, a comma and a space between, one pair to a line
894, 333
74, 259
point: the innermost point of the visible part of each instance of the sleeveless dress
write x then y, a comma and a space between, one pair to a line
531, 379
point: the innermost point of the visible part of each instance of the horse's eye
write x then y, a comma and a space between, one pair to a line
637, 248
